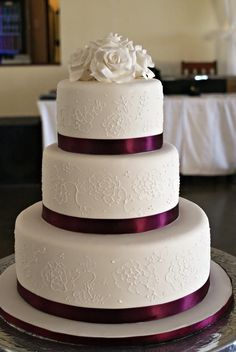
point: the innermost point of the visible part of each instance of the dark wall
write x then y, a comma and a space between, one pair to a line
20, 150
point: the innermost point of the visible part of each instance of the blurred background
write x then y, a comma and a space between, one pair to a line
36, 40
43, 33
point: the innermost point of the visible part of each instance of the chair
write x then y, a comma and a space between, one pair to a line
201, 68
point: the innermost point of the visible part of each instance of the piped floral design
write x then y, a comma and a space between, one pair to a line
139, 279
147, 185
106, 187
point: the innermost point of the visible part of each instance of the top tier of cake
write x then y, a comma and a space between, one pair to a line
110, 111
110, 93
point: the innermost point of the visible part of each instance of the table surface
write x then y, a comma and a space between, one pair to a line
218, 337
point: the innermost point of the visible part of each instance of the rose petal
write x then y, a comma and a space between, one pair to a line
75, 75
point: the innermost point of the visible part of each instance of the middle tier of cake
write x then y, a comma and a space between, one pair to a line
110, 186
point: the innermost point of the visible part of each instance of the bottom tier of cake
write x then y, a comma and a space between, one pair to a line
17, 312
113, 271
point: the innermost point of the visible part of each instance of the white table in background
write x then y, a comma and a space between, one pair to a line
48, 112
204, 131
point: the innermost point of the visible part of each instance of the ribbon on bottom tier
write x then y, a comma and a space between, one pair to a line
134, 340
110, 226
114, 316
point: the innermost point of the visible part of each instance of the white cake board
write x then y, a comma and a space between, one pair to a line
219, 294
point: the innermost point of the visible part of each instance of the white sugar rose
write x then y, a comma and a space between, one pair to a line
79, 64
111, 59
143, 61
110, 40
113, 64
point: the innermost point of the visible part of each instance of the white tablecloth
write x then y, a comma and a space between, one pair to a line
48, 113
204, 131
202, 128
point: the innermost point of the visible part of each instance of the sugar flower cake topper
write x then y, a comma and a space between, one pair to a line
111, 59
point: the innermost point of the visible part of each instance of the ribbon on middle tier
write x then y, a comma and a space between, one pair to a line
110, 226
110, 146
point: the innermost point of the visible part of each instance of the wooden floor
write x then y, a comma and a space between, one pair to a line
216, 195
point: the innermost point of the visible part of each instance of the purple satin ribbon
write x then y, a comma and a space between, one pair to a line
134, 340
114, 316
110, 146
110, 226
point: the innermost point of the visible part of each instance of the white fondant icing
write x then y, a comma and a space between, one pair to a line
219, 293
110, 111
110, 186
113, 271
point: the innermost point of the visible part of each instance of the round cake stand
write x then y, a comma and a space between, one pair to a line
218, 337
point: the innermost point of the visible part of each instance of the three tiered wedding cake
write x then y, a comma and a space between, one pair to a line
111, 242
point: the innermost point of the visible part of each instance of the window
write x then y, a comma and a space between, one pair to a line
29, 32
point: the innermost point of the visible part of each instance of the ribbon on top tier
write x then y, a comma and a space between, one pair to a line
110, 146
110, 226
114, 316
